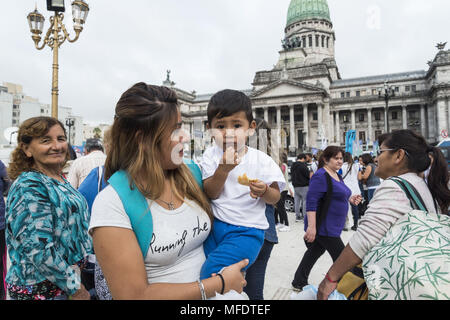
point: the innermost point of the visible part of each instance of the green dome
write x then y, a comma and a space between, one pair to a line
300, 10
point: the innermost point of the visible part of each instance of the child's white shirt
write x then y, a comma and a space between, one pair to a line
234, 205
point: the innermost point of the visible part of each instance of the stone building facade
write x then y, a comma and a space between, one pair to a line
305, 98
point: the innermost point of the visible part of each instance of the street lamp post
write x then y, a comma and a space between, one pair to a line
70, 122
389, 92
57, 34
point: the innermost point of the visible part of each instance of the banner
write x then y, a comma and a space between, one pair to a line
350, 137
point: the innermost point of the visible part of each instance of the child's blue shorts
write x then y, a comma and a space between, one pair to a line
228, 244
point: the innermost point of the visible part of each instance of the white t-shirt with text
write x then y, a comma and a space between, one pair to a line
176, 251
234, 205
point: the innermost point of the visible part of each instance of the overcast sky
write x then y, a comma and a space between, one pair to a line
208, 45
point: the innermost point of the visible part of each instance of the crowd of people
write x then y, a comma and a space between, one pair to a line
134, 219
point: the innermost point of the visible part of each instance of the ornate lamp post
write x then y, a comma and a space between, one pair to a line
389, 92
57, 34
70, 122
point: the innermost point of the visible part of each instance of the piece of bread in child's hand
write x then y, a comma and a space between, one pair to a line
244, 180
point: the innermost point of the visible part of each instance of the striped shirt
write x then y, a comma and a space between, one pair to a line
388, 204
81, 167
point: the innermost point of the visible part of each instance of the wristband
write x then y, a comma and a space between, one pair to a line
202, 289
223, 283
329, 279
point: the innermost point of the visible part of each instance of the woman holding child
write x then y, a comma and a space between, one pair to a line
147, 144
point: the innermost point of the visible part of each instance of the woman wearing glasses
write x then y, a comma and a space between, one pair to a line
404, 154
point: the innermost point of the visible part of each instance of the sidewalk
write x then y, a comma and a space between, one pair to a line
285, 258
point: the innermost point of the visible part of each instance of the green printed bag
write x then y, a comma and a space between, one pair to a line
412, 261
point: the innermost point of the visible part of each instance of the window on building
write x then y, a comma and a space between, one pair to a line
377, 115
361, 117
378, 133
407, 88
304, 42
374, 92
310, 41
328, 42
362, 136
413, 115
347, 94
394, 115
358, 93
315, 117
346, 118
397, 89
414, 88
342, 94
317, 41
298, 118
323, 41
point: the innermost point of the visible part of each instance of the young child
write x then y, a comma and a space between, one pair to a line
239, 210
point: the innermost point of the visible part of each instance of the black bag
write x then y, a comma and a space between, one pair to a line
362, 207
324, 204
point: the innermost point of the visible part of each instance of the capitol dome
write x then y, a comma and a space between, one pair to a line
301, 10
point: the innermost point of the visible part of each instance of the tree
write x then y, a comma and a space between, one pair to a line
97, 133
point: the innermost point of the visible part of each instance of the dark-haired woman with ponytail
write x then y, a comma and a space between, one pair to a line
407, 155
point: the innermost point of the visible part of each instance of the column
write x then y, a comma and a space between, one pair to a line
320, 120
431, 122
266, 114
369, 119
337, 127
292, 139
423, 126
305, 125
441, 118
404, 117
278, 138
278, 117
353, 120
331, 127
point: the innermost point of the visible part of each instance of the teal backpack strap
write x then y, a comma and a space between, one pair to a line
196, 172
136, 207
411, 192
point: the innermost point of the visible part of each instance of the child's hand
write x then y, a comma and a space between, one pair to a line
230, 159
258, 189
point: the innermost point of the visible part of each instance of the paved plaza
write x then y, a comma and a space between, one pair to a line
285, 258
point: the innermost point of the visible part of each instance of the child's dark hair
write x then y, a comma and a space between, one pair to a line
227, 102
418, 160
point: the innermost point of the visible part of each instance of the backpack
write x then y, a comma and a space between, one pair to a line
412, 261
92, 185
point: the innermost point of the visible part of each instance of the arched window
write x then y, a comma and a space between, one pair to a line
310, 41
317, 41
328, 42
304, 42
323, 41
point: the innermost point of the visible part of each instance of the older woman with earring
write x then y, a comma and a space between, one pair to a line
46, 218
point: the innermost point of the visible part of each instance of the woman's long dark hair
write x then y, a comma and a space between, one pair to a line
349, 159
418, 159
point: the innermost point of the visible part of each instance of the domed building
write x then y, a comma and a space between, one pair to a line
305, 99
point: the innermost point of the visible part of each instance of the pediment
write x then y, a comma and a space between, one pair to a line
287, 88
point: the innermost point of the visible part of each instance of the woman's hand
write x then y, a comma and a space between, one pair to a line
356, 199
310, 234
81, 294
325, 289
233, 276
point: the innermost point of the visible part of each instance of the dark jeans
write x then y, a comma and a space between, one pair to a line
256, 273
334, 246
281, 210
355, 213
2, 265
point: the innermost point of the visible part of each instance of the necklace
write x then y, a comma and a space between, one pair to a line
169, 204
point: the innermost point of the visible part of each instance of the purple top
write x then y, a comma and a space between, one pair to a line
334, 223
